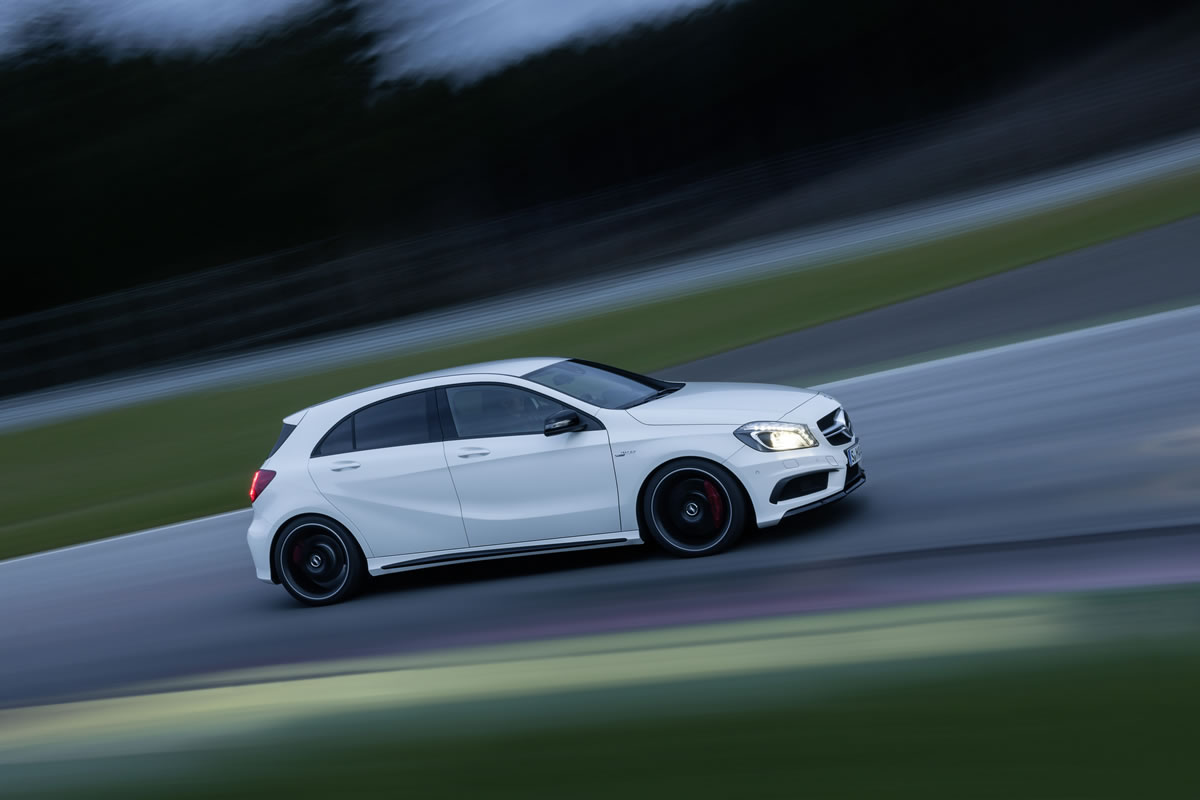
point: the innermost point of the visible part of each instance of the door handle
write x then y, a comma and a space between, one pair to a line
342, 466
471, 452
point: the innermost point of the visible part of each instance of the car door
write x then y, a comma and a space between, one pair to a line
385, 469
515, 484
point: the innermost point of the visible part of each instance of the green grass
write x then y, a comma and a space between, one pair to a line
1089, 722
1052, 695
1120, 726
187, 456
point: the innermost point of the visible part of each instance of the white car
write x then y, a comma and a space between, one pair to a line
535, 455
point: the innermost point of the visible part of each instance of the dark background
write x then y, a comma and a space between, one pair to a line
124, 171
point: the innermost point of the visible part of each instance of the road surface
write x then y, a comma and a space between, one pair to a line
1062, 462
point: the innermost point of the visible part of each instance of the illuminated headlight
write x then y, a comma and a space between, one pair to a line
772, 436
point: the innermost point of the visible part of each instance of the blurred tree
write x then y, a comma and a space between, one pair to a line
125, 169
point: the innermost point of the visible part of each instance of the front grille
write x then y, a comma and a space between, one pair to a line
835, 427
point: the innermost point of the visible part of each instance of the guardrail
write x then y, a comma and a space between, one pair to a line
532, 308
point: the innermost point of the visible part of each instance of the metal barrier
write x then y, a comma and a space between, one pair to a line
638, 230
521, 310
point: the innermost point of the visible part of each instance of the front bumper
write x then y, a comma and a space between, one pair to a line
854, 479
764, 473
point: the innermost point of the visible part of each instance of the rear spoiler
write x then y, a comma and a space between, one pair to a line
294, 419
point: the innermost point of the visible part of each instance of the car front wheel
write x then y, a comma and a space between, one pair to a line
693, 508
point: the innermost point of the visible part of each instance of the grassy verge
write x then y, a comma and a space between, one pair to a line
1039, 697
192, 455
1101, 725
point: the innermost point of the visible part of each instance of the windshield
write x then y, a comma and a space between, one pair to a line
606, 387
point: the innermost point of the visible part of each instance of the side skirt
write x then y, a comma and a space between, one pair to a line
388, 565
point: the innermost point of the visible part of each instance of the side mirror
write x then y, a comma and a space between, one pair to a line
564, 422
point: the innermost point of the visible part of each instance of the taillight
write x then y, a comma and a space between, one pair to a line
261, 478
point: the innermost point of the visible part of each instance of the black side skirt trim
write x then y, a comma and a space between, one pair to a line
505, 551
862, 478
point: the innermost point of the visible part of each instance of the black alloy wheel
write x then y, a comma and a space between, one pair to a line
693, 508
318, 561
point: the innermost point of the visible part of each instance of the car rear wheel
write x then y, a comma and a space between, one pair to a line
693, 508
318, 561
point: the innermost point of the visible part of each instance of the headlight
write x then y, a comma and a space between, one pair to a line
772, 436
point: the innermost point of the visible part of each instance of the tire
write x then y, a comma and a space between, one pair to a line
692, 508
318, 561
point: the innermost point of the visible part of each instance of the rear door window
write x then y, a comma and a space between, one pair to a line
395, 422
408, 419
339, 440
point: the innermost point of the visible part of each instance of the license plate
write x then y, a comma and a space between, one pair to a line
853, 455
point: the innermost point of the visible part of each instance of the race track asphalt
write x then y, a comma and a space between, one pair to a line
1065, 462
1147, 271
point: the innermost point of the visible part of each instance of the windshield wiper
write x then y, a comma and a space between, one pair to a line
663, 392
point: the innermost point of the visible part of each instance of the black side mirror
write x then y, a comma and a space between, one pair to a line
564, 422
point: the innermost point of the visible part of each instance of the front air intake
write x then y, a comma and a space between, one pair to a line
791, 488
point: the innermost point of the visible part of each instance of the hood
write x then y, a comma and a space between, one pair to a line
722, 404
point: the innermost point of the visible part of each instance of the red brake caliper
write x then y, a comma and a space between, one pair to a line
297, 554
714, 501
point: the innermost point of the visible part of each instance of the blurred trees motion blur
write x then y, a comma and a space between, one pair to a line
121, 171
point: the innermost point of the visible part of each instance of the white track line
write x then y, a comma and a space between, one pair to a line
735, 264
1030, 344
123, 537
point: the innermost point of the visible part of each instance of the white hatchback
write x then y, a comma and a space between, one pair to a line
535, 455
